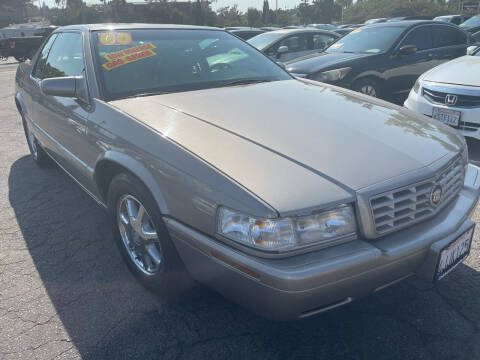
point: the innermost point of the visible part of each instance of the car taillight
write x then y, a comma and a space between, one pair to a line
12, 44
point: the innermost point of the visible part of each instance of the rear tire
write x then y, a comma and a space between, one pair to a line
368, 86
38, 154
142, 236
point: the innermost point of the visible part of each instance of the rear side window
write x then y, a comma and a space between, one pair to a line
457, 20
420, 37
448, 36
65, 57
42, 58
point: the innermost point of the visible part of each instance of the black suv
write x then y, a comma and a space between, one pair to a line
384, 60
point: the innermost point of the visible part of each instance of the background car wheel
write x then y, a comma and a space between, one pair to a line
20, 58
142, 237
368, 86
38, 154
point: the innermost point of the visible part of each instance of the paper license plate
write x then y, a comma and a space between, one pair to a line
454, 254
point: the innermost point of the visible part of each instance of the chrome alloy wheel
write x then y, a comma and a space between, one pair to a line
368, 90
139, 235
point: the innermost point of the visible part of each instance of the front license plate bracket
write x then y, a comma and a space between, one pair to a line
454, 253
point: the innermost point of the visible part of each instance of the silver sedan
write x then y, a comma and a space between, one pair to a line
289, 196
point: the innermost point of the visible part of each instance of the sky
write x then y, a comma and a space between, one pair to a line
242, 4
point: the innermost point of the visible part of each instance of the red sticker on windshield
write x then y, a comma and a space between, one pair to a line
127, 59
115, 38
129, 51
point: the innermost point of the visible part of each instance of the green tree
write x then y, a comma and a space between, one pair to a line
304, 12
230, 16
254, 17
266, 12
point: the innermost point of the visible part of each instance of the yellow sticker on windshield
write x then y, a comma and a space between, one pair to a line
336, 46
115, 38
124, 38
127, 59
356, 31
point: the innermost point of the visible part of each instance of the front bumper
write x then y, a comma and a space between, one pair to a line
307, 284
469, 121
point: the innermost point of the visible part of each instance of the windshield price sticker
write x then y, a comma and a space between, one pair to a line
129, 51
127, 56
128, 59
356, 31
115, 38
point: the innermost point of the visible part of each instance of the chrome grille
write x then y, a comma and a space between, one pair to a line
405, 206
438, 97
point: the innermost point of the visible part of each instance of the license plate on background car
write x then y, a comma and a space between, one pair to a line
449, 117
454, 254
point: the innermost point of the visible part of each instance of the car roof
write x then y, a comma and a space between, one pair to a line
112, 26
244, 30
405, 23
293, 31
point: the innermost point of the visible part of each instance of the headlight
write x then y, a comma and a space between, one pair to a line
416, 87
332, 75
286, 233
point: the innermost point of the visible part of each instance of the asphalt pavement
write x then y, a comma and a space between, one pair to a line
65, 292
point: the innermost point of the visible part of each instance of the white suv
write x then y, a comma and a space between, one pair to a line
450, 93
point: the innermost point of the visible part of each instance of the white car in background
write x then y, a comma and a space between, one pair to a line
450, 93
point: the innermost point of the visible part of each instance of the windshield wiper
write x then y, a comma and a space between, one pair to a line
144, 95
245, 82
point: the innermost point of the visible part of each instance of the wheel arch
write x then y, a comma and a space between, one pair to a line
20, 103
369, 75
113, 163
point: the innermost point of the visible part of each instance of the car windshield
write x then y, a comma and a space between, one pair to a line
154, 61
367, 40
263, 40
474, 21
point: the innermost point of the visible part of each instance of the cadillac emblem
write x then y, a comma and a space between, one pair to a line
436, 195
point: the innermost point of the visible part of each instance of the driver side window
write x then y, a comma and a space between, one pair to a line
294, 43
65, 57
420, 37
42, 58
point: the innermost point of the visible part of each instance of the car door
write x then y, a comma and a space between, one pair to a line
405, 69
449, 42
63, 120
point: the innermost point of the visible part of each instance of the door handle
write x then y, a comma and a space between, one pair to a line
430, 55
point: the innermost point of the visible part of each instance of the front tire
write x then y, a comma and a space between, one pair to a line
38, 154
142, 237
368, 86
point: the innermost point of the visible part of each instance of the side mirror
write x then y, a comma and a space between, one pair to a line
281, 50
69, 86
471, 50
407, 50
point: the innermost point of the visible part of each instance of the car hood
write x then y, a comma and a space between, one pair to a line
461, 71
315, 62
335, 135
